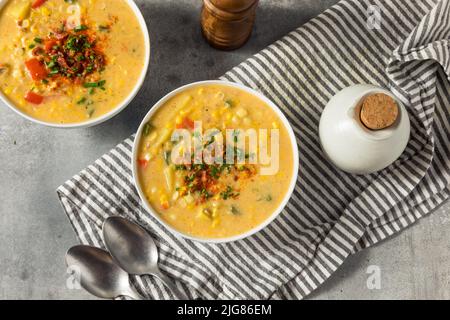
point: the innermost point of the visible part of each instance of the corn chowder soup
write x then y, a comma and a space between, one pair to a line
212, 200
67, 61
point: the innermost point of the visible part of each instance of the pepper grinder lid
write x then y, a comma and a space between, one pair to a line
233, 5
227, 24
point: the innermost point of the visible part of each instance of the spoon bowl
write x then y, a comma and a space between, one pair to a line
130, 245
98, 274
133, 249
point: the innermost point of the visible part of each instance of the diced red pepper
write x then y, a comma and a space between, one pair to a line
37, 3
143, 163
36, 69
186, 124
165, 205
34, 98
49, 44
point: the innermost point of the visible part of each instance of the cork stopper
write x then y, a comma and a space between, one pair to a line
379, 111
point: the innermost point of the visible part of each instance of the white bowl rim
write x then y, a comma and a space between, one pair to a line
276, 212
113, 112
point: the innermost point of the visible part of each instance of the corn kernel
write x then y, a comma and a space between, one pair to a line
45, 11
216, 223
25, 23
178, 120
185, 111
247, 121
182, 203
241, 112
189, 199
235, 120
153, 136
275, 125
220, 95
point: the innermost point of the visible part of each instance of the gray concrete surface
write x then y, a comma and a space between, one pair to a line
34, 161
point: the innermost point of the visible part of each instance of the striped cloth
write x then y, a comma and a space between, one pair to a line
331, 214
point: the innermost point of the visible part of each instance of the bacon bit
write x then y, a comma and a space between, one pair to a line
36, 69
214, 189
37, 51
143, 163
186, 124
34, 98
204, 177
37, 3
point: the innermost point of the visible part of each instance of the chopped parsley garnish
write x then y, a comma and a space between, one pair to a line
103, 28
98, 84
235, 210
82, 100
148, 127
211, 141
229, 103
228, 193
80, 28
166, 156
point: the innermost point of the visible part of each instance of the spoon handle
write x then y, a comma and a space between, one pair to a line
170, 284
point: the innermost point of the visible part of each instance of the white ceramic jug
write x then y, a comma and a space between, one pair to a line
351, 146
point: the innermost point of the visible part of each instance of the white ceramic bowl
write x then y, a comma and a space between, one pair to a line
349, 145
281, 116
120, 106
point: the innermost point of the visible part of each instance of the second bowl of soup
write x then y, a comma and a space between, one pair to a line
71, 63
215, 161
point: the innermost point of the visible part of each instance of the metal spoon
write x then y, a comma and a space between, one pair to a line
133, 249
98, 273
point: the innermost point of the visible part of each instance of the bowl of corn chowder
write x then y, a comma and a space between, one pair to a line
215, 161
71, 63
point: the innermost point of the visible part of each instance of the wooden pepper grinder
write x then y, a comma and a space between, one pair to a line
227, 24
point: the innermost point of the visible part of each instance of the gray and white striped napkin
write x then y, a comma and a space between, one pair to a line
331, 214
